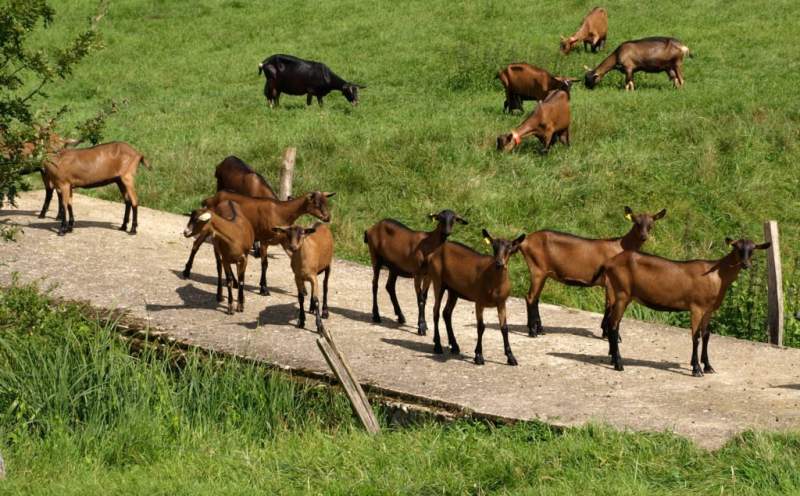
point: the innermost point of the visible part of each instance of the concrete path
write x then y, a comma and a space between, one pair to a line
563, 377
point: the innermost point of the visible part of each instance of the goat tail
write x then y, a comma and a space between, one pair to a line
598, 275
144, 162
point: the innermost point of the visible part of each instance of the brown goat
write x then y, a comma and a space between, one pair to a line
549, 122
657, 54
528, 82
696, 286
592, 33
575, 261
232, 238
266, 213
404, 252
93, 167
233, 174
311, 250
482, 279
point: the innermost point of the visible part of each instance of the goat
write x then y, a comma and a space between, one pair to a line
656, 54
311, 251
232, 238
549, 122
575, 261
528, 82
465, 273
99, 165
404, 252
295, 76
592, 32
266, 213
696, 286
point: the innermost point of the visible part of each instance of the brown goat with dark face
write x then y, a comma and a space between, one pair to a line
696, 286
465, 273
405, 253
592, 33
549, 122
575, 261
528, 82
311, 250
657, 54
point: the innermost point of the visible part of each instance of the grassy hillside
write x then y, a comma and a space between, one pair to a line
721, 155
80, 415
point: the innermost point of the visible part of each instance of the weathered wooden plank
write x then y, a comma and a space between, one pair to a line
287, 173
774, 284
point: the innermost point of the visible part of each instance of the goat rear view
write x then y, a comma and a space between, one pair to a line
528, 82
233, 174
549, 122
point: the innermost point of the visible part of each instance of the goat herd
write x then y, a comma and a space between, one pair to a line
245, 214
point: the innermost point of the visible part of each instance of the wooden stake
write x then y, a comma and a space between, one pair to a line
774, 284
287, 173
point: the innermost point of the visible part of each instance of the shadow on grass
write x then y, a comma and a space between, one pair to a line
603, 360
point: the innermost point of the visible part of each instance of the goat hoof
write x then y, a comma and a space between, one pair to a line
422, 332
532, 332
422, 328
123, 227
301, 324
264, 291
132, 232
376, 318
708, 369
455, 350
479, 360
697, 372
41, 216
230, 311
220, 299
62, 232
324, 314
437, 348
240, 308
511, 360
619, 367
401, 319
186, 273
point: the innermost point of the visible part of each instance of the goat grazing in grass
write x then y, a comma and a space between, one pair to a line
528, 82
657, 54
575, 261
232, 238
404, 252
311, 251
696, 286
482, 279
592, 32
549, 122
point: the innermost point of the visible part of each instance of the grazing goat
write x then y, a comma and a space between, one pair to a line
266, 213
549, 122
92, 167
232, 238
696, 286
657, 54
592, 33
528, 82
295, 76
311, 251
404, 252
465, 273
575, 261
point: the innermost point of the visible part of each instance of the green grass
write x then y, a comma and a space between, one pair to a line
721, 155
82, 414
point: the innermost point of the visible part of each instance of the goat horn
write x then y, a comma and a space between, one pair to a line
586, 67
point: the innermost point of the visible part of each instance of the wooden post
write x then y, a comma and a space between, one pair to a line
287, 173
774, 284
352, 388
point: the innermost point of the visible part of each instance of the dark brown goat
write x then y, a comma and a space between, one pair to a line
482, 279
404, 252
657, 54
233, 174
93, 167
696, 286
528, 82
575, 261
232, 238
592, 33
266, 213
549, 122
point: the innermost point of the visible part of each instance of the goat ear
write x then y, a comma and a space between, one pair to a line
328, 195
462, 220
587, 68
519, 239
629, 213
661, 214
729, 241
764, 246
310, 230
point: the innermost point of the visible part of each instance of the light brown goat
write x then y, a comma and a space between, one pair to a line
549, 122
311, 251
592, 33
92, 167
528, 82
656, 54
575, 261
465, 273
404, 252
696, 286
232, 238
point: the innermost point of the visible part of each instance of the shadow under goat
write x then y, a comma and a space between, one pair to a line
311, 252
697, 286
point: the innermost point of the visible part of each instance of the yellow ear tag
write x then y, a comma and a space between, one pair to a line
487, 241
628, 216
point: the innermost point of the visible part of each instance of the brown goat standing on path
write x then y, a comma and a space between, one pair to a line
593, 32
404, 252
697, 286
528, 82
93, 167
656, 54
232, 239
311, 251
482, 279
575, 261
549, 122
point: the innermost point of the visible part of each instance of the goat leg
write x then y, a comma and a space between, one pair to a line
219, 275
135, 219
198, 242
452, 299
376, 273
301, 313
707, 368
325, 293
479, 346
391, 282
616, 358
437, 304
124, 226
501, 314
317, 316
48, 196
264, 264
240, 267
